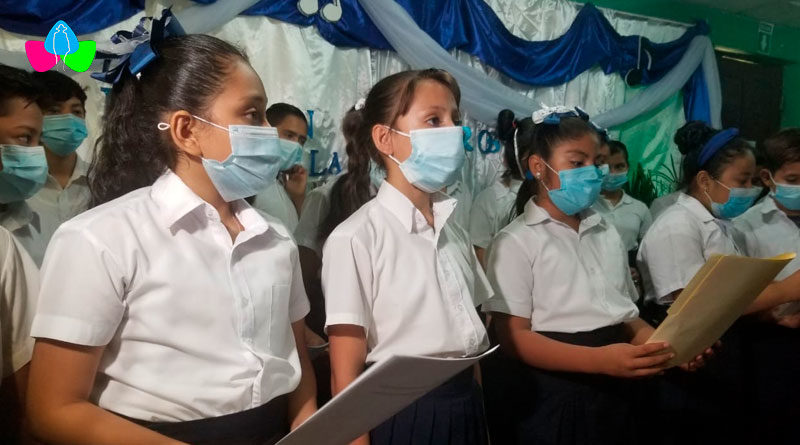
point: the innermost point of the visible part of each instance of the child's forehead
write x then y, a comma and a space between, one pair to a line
20, 107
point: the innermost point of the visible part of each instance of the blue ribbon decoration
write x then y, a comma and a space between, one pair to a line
715, 144
145, 52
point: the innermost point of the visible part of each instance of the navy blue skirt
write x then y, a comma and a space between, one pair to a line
450, 414
527, 405
265, 425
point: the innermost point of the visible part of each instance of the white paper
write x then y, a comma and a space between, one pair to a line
380, 392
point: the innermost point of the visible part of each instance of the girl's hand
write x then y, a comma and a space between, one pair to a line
629, 361
296, 180
700, 361
789, 321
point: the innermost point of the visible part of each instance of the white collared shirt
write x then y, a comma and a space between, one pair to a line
768, 232
463, 196
55, 204
662, 203
629, 216
491, 211
27, 228
19, 287
194, 325
412, 287
679, 243
276, 202
562, 280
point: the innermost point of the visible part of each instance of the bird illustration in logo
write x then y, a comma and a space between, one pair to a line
62, 43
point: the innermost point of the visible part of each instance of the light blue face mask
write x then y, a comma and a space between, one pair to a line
615, 181
739, 200
292, 152
604, 170
580, 188
437, 155
63, 133
24, 172
787, 195
257, 156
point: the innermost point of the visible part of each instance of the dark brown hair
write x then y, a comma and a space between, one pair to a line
690, 140
14, 83
131, 153
389, 99
537, 139
782, 148
277, 112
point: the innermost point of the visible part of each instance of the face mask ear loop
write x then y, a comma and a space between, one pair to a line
211, 123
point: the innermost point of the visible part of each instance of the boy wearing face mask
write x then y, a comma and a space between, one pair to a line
22, 171
66, 191
284, 199
23, 166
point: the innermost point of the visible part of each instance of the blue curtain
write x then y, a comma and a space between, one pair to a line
36, 17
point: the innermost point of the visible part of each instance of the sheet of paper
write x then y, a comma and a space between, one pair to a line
377, 394
717, 295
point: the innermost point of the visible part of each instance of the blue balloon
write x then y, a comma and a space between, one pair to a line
61, 40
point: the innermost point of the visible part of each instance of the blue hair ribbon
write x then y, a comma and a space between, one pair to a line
716, 143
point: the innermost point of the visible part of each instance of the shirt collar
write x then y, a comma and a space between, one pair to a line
17, 216
514, 185
695, 207
768, 206
403, 209
536, 215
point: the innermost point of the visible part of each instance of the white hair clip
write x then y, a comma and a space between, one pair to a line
542, 114
360, 104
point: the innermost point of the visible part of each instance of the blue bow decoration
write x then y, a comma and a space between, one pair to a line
145, 52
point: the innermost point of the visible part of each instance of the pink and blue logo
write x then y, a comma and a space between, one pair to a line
61, 43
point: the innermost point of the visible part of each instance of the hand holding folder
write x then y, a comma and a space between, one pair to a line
712, 301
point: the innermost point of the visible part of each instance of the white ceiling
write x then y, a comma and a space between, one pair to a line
781, 12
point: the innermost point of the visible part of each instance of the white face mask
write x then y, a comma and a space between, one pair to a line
437, 155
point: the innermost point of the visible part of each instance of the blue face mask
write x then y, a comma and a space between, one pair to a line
580, 188
615, 181
604, 170
24, 172
257, 156
437, 155
739, 200
291, 152
63, 133
787, 195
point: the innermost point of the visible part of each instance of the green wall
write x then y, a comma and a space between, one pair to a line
732, 31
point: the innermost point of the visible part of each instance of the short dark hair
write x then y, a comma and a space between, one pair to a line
59, 87
14, 83
782, 148
276, 113
615, 147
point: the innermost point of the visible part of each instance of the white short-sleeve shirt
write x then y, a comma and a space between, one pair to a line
662, 203
275, 201
55, 204
679, 243
412, 287
768, 232
194, 325
19, 288
629, 216
315, 208
491, 211
562, 280
463, 197
26, 226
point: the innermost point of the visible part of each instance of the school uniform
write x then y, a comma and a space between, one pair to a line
678, 244
414, 289
575, 288
774, 349
27, 227
19, 287
55, 205
463, 197
275, 201
196, 327
629, 216
663, 202
315, 208
491, 211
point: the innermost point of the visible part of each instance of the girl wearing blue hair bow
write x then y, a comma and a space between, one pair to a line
172, 311
564, 306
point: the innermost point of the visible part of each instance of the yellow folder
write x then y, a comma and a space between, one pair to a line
712, 301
